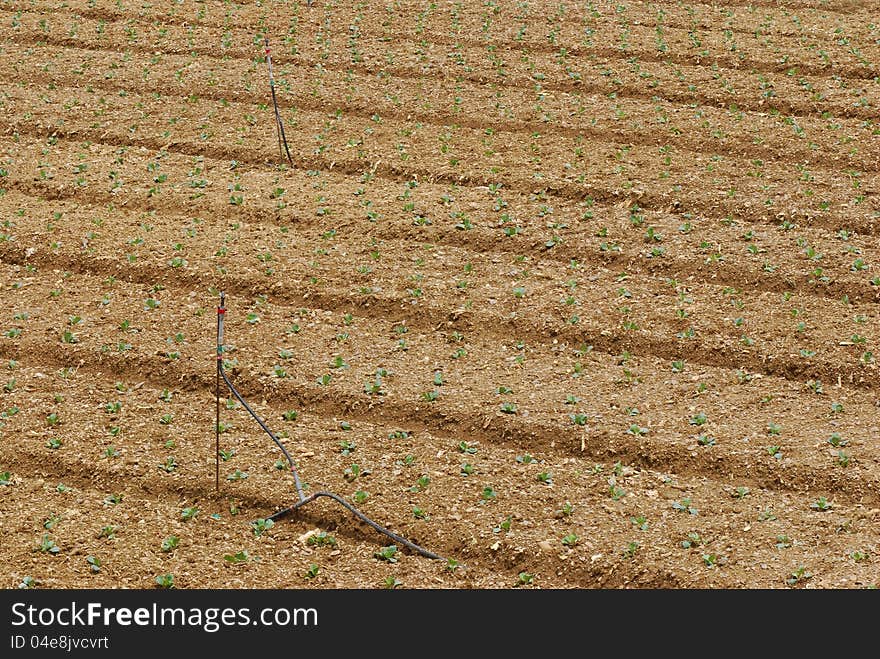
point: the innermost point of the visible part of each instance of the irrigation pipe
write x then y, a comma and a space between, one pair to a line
303, 499
278, 123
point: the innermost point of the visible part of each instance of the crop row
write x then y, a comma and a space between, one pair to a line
789, 92
758, 135
664, 33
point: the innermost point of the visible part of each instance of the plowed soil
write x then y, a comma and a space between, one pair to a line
575, 295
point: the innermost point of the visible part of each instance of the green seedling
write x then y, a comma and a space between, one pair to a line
321, 539
388, 554
238, 557
260, 526
684, 506
693, 540
799, 575
94, 563
165, 580
640, 522
170, 543
169, 465
421, 484
629, 552
47, 545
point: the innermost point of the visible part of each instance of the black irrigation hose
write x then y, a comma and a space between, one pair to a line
278, 122
303, 500
221, 312
357, 513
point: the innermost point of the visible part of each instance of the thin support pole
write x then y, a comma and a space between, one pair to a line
221, 310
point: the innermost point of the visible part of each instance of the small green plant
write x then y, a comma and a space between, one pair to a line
821, 504
525, 579
313, 570
260, 526
740, 492
387, 554
698, 419
705, 440
360, 496
797, 576
392, 582
684, 506
321, 539
47, 545
169, 465
237, 475
693, 540
165, 580
544, 477
465, 447
189, 513
629, 552
488, 493
170, 543
419, 513
238, 557
640, 522
5, 478
421, 484
94, 563
570, 540
113, 498
27, 582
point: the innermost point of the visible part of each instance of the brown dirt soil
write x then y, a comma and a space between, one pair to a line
576, 296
